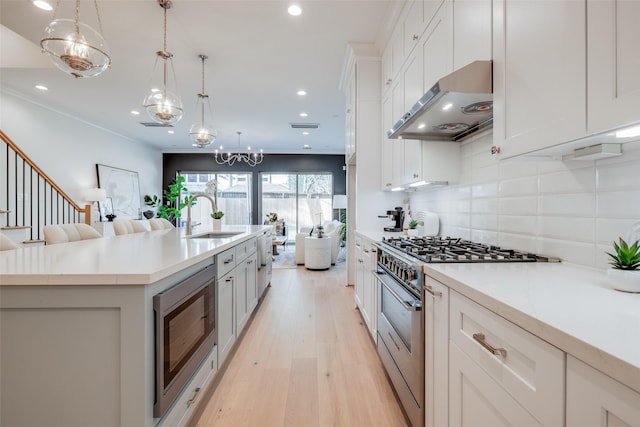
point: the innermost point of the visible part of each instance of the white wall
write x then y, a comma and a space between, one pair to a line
572, 209
67, 149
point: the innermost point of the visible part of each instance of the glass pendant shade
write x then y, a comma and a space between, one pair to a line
76, 48
162, 105
202, 134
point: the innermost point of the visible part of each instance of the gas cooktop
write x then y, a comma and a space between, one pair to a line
452, 250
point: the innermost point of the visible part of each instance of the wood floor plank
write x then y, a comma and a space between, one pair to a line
306, 360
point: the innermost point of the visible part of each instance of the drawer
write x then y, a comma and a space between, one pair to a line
246, 248
226, 261
528, 368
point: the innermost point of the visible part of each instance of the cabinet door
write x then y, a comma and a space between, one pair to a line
367, 289
614, 63
412, 92
472, 31
539, 74
226, 316
431, 7
242, 311
437, 47
412, 25
476, 400
350, 118
251, 265
397, 155
436, 355
359, 283
386, 166
596, 400
372, 283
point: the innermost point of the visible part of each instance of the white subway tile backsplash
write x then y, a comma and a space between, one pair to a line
618, 204
580, 204
518, 224
518, 186
572, 210
566, 228
518, 205
568, 181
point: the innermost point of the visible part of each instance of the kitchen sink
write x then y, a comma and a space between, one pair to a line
215, 235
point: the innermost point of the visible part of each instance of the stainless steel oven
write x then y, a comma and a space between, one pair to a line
401, 329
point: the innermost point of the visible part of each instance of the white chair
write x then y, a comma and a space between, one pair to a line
129, 226
160, 224
6, 244
63, 233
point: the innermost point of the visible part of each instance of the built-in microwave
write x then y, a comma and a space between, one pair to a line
185, 332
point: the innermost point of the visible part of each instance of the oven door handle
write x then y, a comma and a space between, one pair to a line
415, 305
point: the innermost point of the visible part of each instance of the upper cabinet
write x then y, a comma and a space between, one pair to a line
613, 70
539, 74
566, 74
472, 32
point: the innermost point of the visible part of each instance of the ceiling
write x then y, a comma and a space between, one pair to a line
259, 57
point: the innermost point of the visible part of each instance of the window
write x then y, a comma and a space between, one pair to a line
301, 200
230, 191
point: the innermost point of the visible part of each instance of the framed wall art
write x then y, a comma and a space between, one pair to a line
123, 189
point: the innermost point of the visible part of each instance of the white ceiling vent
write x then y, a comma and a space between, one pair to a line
304, 125
155, 125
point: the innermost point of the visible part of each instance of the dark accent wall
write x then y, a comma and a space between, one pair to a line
195, 162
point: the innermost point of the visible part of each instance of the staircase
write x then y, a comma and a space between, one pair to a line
29, 199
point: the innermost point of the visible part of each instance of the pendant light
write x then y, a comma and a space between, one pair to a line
74, 47
252, 159
200, 133
162, 105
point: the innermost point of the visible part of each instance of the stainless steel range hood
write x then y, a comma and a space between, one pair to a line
457, 106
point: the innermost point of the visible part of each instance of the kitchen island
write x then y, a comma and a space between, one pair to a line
77, 326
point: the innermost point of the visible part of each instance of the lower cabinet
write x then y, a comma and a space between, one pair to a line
246, 292
501, 374
365, 283
226, 316
596, 400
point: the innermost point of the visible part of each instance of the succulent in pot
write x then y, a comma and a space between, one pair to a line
217, 220
413, 227
217, 215
624, 274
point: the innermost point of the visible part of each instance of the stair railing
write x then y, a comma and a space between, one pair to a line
29, 198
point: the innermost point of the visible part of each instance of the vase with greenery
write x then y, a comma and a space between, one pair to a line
217, 220
624, 274
413, 227
170, 206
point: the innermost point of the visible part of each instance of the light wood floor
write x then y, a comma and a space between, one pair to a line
306, 360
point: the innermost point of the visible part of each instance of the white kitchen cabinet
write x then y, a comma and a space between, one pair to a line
371, 295
539, 74
397, 152
412, 25
430, 8
386, 164
436, 353
412, 92
501, 372
437, 47
226, 316
350, 118
359, 283
471, 32
245, 275
613, 64
596, 400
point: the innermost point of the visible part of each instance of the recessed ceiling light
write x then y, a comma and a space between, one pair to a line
171, 131
305, 133
302, 92
294, 10
303, 114
41, 4
41, 87
134, 112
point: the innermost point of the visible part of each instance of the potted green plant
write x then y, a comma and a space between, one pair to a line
172, 206
413, 228
217, 220
624, 274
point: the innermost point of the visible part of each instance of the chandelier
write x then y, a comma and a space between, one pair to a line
74, 47
200, 133
230, 158
162, 105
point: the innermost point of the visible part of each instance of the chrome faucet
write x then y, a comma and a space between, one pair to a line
194, 197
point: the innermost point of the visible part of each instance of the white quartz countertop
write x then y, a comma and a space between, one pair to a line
130, 259
570, 307
377, 235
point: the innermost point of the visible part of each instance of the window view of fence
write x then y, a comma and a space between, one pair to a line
301, 200
231, 192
